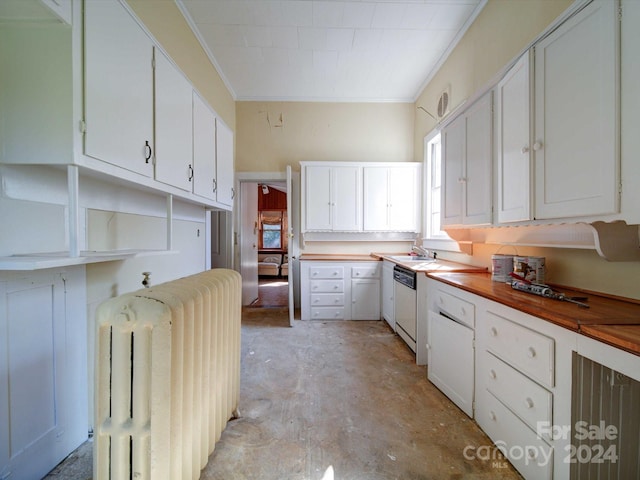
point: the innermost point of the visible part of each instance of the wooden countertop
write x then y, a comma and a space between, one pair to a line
612, 320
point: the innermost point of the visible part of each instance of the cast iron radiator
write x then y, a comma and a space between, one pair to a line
167, 376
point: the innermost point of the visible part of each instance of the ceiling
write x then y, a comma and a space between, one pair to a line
311, 50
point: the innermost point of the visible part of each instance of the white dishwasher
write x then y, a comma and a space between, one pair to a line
405, 304
451, 365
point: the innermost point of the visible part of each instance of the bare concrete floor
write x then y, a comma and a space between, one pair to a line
345, 395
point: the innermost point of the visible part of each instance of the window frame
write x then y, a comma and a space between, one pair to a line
439, 240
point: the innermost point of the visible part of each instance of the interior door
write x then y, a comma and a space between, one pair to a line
249, 241
290, 247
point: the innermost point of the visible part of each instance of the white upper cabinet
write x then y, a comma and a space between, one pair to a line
332, 198
118, 88
225, 191
576, 124
173, 125
204, 149
391, 197
467, 158
513, 143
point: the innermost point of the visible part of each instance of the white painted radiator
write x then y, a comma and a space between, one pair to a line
167, 376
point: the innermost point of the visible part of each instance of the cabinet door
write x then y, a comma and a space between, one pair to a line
174, 125
365, 299
476, 180
453, 154
317, 198
346, 198
32, 376
514, 166
404, 201
376, 198
118, 88
204, 149
388, 306
575, 143
224, 164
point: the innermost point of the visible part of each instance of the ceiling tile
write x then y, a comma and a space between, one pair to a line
350, 50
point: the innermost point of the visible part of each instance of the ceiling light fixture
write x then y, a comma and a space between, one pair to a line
265, 189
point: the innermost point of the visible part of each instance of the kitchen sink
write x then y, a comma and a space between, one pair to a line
411, 259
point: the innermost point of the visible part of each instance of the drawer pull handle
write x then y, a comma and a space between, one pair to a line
335, 287
494, 331
464, 312
315, 301
492, 374
531, 352
528, 403
315, 274
440, 299
493, 416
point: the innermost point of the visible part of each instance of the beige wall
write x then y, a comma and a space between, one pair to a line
166, 23
271, 135
501, 31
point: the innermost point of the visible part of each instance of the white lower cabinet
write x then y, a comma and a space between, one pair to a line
388, 303
512, 373
340, 290
450, 325
523, 388
43, 370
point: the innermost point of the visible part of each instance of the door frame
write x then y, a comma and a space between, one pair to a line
280, 177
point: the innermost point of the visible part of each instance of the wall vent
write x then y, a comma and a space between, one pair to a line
444, 102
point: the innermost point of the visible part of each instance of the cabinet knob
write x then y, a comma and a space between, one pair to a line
335, 287
525, 149
528, 403
493, 416
531, 352
492, 374
493, 331
537, 146
463, 311
532, 453
357, 274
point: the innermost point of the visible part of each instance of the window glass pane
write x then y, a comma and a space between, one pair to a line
271, 239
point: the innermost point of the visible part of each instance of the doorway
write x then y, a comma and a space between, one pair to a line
268, 290
273, 244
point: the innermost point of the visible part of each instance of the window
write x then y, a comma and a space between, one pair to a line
272, 228
434, 237
433, 167
271, 236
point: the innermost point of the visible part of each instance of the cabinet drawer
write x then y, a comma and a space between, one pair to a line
530, 455
327, 286
327, 313
526, 399
524, 349
369, 271
455, 307
327, 299
326, 272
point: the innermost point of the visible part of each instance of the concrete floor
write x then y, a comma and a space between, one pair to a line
345, 395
